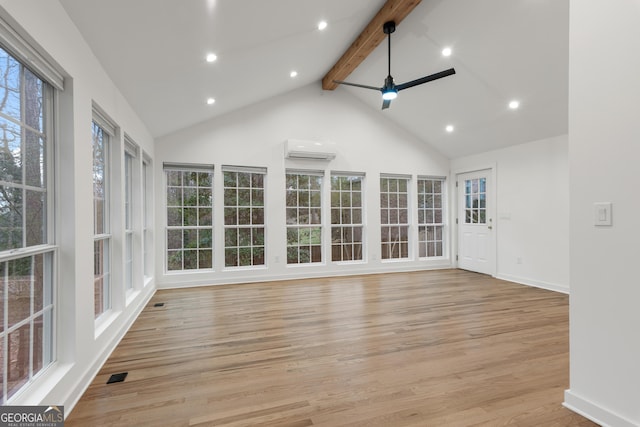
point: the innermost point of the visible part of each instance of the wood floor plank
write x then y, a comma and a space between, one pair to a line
433, 348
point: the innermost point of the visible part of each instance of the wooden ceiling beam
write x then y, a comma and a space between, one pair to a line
368, 40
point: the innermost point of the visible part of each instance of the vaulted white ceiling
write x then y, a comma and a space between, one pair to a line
154, 51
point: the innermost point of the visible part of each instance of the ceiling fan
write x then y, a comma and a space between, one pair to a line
390, 89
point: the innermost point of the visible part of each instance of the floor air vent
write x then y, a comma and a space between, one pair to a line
117, 378
158, 304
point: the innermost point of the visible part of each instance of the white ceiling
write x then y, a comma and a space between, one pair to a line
154, 50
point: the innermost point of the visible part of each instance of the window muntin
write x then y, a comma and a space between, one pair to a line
346, 218
304, 217
189, 232
27, 279
101, 220
244, 213
475, 196
394, 217
430, 217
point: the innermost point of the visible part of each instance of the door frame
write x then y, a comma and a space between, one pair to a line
492, 205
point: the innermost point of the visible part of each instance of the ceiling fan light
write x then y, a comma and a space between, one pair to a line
389, 94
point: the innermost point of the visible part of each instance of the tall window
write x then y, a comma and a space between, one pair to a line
243, 216
130, 174
189, 217
102, 131
147, 192
27, 254
346, 217
394, 217
430, 217
304, 217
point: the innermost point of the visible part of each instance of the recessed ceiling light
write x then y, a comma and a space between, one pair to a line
211, 57
449, 128
446, 51
514, 104
293, 74
322, 25
211, 101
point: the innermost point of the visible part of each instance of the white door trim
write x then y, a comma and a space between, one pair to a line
493, 205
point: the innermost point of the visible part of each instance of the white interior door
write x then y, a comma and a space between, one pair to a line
476, 236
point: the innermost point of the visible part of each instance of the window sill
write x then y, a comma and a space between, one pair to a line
307, 265
104, 321
245, 268
132, 294
384, 261
194, 271
355, 262
42, 385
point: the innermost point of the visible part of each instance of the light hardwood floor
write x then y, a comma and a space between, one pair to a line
436, 348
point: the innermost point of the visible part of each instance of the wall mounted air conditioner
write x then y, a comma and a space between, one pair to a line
299, 149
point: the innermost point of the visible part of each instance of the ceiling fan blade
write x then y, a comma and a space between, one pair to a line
357, 85
426, 79
386, 103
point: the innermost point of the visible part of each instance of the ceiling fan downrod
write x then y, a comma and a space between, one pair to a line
388, 28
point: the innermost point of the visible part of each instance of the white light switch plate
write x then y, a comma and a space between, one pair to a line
602, 213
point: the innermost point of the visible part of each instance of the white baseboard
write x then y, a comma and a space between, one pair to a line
535, 283
85, 380
295, 275
595, 413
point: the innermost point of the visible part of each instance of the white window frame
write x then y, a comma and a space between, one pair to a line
147, 218
104, 238
344, 219
131, 209
294, 226
16, 47
233, 242
391, 218
200, 230
429, 211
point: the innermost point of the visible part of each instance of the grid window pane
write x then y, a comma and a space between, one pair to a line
128, 267
394, 217
475, 201
244, 218
101, 278
430, 217
189, 233
304, 218
28, 333
346, 218
18, 366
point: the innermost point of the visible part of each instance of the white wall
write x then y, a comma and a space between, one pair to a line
532, 212
365, 142
604, 151
81, 350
